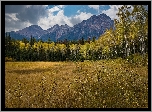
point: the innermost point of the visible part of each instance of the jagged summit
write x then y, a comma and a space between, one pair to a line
94, 26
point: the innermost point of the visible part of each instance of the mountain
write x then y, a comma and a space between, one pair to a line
94, 26
56, 32
15, 35
34, 30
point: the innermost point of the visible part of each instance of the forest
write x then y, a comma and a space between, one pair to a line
128, 37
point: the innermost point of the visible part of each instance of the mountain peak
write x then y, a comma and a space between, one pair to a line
65, 26
93, 26
104, 15
56, 25
36, 26
34, 30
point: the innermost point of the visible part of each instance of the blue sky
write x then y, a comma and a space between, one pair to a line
20, 16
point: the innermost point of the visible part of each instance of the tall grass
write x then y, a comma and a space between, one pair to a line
89, 84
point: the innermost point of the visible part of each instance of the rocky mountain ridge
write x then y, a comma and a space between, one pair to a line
92, 27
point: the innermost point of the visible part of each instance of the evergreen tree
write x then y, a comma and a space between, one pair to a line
93, 39
82, 41
49, 40
31, 41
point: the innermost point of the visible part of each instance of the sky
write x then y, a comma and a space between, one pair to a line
18, 17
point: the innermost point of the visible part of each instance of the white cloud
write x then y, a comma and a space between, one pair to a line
61, 19
17, 17
96, 7
21, 16
12, 16
15, 25
56, 8
80, 17
112, 11
83, 16
51, 20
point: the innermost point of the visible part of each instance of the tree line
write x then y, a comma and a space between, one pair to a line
130, 36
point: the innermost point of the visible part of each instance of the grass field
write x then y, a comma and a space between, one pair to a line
89, 84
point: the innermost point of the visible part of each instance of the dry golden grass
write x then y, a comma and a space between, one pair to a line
100, 84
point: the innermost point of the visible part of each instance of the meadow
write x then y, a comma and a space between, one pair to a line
114, 83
